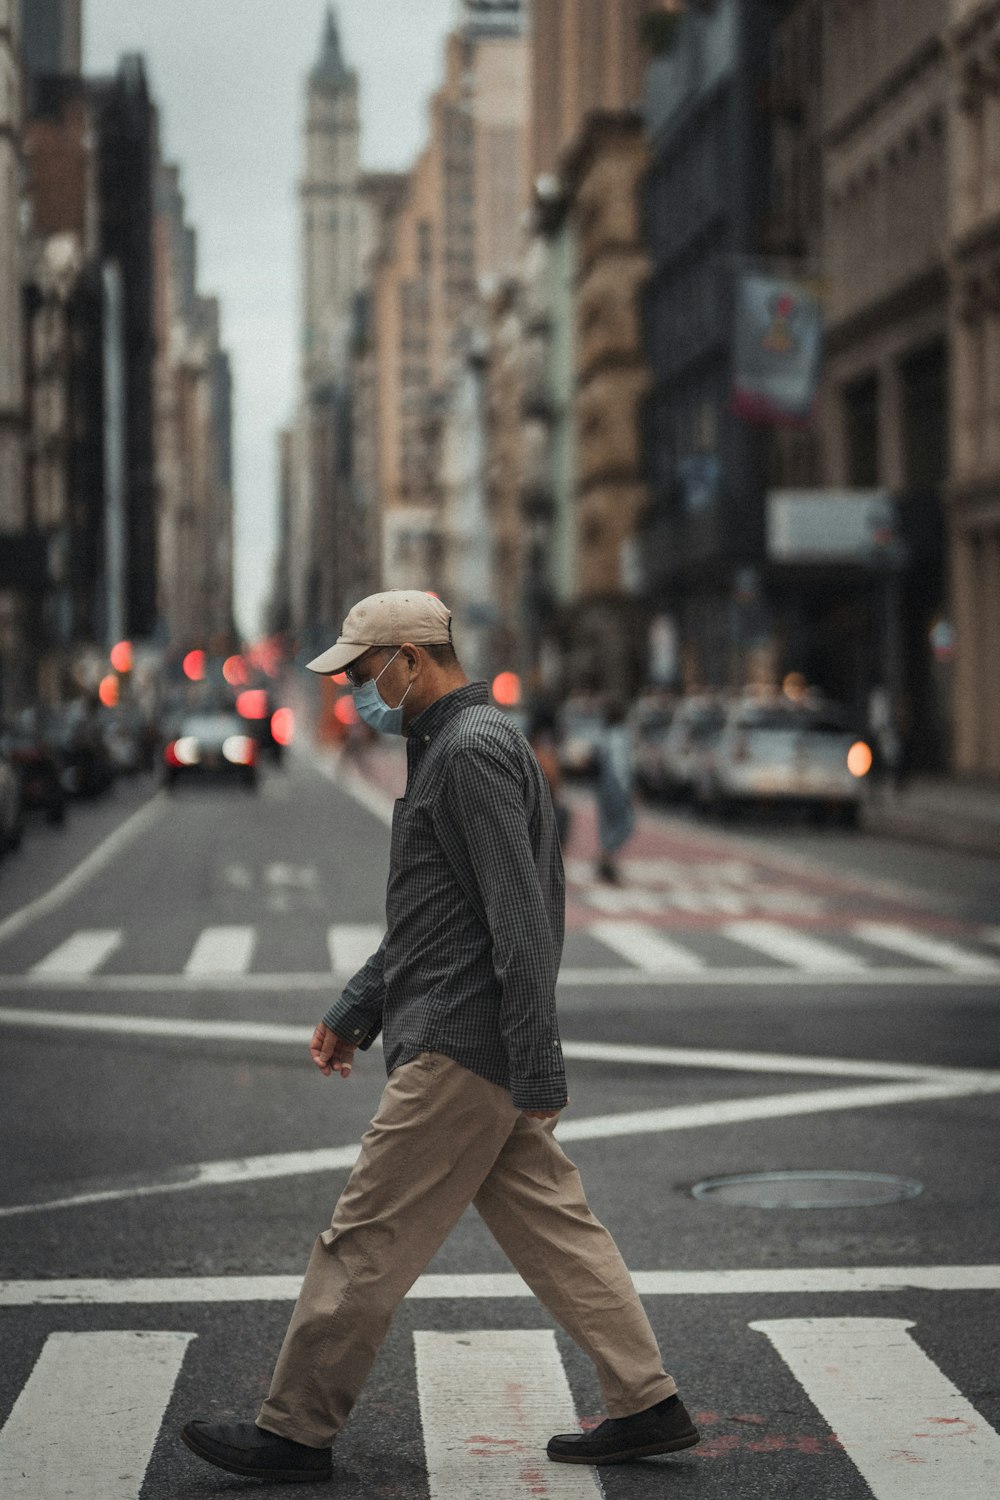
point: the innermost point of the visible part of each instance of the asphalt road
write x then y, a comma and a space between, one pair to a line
767, 999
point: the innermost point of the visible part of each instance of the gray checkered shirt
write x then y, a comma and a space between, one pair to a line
475, 909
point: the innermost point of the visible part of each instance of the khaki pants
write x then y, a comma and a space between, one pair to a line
444, 1138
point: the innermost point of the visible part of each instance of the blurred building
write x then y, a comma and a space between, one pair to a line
334, 239
455, 232
974, 487
126, 133
602, 177
13, 623
566, 366
585, 55
706, 205
886, 421
193, 439
51, 41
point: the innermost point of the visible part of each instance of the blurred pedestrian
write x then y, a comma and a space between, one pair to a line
615, 808
543, 737
462, 989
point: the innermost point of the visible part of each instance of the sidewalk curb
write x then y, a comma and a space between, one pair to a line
927, 826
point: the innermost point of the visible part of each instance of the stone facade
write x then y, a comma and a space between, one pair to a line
586, 55
11, 329
13, 644
454, 233
974, 272
193, 440
885, 134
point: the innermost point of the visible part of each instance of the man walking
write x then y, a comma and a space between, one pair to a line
462, 989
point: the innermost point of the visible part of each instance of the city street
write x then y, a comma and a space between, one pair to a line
766, 999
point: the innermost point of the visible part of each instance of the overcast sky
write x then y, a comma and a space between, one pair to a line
228, 76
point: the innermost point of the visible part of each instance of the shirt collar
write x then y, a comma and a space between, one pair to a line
436, 714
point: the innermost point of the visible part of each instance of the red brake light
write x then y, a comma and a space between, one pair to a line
252, 703
283, 726
170, 755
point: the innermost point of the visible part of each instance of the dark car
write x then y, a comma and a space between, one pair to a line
270, 723
11, 806
87, 766
129, 739
211, 745
33, 752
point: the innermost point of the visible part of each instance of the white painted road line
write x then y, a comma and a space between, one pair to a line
105, 852
336, 769
489, 1402
790, 946
205, 1174
225, 1173
352, 944
87, 1418
932, 950
745, 1062
159, 1026
790, 1063
79, 955
739, 1282
909, 1430
644, 946
221, 950
304, 982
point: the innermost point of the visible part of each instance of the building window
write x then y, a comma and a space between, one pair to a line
861, 432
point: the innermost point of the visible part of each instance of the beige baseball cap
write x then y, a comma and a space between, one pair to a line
386, 620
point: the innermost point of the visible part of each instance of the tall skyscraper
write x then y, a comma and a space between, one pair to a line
332, 227
334, 243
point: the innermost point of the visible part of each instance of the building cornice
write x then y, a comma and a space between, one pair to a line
888, 88
984, 235
914, 296
974, 498
964, 31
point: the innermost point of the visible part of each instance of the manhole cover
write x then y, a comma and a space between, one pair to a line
808, 1189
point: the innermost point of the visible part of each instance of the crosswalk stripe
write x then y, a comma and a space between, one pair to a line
644, 946
88, 1416
83, 953
222, 950
991, 935
800, 949
351, 944
920, 945
489, 1402
907, 1428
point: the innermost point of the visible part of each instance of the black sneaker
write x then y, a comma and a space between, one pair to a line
245, 1448
663, 1428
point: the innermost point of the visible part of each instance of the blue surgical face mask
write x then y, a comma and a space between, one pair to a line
372, 707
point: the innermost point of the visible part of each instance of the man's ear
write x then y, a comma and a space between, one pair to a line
412, 655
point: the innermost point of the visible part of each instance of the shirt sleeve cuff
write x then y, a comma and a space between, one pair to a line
352, 1024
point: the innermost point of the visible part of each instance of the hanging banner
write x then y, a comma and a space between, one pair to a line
777, 345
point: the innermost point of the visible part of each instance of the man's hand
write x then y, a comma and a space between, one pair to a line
331, 1053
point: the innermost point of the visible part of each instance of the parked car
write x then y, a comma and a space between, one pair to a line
649, 721
211, 745
87, 767
777, 752
33, 752
581, 727
697, 721
124, 733
11, 806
